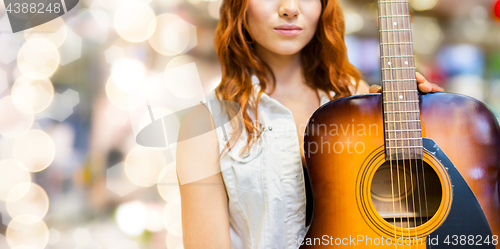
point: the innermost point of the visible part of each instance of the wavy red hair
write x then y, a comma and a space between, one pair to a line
324, 61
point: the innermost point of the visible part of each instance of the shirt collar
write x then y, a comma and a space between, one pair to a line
322, 94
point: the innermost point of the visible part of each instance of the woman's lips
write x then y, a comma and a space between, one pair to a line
288, 30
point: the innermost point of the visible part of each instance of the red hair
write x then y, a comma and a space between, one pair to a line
324, 60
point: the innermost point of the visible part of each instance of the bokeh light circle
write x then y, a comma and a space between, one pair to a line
55, 31
32, 95
174, 242
175, 228
177, 70
34, 233
128, 74
497, 10
35, 149
38, 58
27, 201
170, 3
26, 247
179, 61
172, 218
353, 21
132, 217
143, 165
422, 5
168, 184
13, 122
12, 173
154, 220
214, 8
184, 81
122, 99
135, 21
171, 36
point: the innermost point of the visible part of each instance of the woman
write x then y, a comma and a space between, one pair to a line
281, 60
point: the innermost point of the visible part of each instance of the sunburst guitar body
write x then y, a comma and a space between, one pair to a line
402, 169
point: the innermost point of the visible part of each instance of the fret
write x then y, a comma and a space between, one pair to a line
399, 68
394, 100
393, 1
396, 43
393, 105
395, 97
389, 16
403, 121
402, 117
400, 123
392, 37
402, 139
399, 80
398, 97
412, 130
398, 126
405, 147
401, 91
395, 30
397, 56
402, 111
392, 34
402, 101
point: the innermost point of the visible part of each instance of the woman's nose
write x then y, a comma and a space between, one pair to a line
289, 8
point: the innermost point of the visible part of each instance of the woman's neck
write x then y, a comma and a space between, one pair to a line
286, 68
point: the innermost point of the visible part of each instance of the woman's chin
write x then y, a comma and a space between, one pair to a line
287, 50
281, 47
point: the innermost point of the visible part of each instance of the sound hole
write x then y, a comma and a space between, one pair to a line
406, 193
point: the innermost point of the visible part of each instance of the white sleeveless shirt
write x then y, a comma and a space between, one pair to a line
265, 187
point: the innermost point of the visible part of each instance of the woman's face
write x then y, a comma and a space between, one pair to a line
283, 27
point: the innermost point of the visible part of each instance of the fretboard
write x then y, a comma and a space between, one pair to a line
403, 134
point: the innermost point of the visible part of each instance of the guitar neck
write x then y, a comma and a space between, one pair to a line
403, 134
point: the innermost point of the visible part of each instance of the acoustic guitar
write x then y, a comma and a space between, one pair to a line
403, 169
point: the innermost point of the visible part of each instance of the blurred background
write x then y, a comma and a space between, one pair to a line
71, 105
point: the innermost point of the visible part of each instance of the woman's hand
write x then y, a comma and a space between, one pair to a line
423, 86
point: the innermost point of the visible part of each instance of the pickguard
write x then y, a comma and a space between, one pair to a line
466, 217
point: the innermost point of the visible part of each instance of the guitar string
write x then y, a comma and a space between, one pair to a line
415, 106
427, 218
391, 115
425, 191
398, 125
406, 114
395, 73
404, 7
387, 114
416, 126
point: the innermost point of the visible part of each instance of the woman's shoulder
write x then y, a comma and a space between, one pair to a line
197, 146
